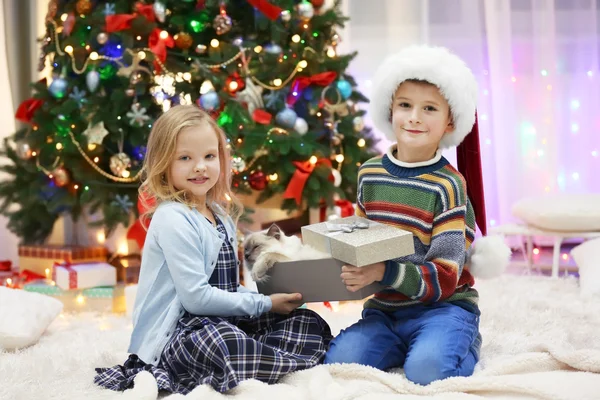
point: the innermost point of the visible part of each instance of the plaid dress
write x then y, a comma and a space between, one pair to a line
223, 351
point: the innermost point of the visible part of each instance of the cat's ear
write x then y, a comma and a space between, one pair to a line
274, 231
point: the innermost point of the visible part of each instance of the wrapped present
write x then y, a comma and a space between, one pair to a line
97, 299
358, 241
15, 279
128, 268
40, 259
84, 275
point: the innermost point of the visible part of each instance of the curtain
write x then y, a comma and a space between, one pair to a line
536, 62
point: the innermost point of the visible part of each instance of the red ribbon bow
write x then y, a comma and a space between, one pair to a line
5, 265
120, 22
72, 273
303, 171
159, 46
27, 109
270, 11
322, 79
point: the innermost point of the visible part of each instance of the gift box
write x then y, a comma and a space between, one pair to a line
98, 299
84, 275
352, 240
40, 259
128, 268
358, 241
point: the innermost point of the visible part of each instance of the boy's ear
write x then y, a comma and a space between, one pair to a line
449, 127
274, 231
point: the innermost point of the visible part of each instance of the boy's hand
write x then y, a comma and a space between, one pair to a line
356, 278
285, 303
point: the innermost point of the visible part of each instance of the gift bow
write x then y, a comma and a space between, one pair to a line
322, 79
120, 22
159, 46
348, 228
270, 11
303, 171
27, 109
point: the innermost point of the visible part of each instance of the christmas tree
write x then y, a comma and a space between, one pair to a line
267, 71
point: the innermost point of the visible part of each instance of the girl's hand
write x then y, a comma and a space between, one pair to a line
285, 303
356, 278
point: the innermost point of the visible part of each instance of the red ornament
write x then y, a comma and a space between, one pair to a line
234, 83
258, 180
317, 3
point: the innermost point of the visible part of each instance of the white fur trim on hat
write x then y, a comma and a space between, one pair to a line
435, 65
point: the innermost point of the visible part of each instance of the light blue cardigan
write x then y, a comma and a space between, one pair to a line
180, 254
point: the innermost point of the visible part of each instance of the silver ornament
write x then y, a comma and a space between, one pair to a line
201, 49
238, 164
286, 118
286, 15
160, 10
222, 24
358, 123
306, 10
238, 41
23, 150
301, 126
102, 38
251, 95
119, 163
92, 80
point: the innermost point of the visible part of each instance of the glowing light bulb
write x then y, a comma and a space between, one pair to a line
93, 56
536, 251
303, 64
277, 82
214, 43
361, 142
142, 55
273, 177
295, 39
339, 158
313, 160
164, 34
59, 146
69, 49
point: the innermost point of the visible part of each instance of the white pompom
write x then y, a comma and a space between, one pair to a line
488, 257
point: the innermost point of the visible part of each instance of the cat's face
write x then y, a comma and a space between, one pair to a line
256, 242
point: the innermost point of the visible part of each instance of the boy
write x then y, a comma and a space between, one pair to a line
427, 320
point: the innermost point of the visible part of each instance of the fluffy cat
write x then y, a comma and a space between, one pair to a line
265, 248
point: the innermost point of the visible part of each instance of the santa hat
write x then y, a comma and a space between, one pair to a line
458, 85
456, 82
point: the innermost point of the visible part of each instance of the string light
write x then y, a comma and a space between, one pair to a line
96, 159
164, 35
277, 82
296, 38
273, 177
64, 17
258, 49
331, 52
76, 187
69, 49
536, 251
575, 104
361, 142
313, 160
214, 43
544, 72
93, 56
339, 158
303, 64
91, 146
59, 146
565, 256
80, 299
125, 174
101, 237
34, 153
514, 79
142, 55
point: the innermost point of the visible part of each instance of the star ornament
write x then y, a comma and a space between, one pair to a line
95, 134
137, 116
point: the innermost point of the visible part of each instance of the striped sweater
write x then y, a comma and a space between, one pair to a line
430, 200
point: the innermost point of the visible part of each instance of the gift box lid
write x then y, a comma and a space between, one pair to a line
59, 252
359, 241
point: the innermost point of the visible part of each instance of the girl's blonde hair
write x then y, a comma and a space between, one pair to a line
160, 151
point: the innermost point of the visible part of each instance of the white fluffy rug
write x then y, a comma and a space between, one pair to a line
539, 335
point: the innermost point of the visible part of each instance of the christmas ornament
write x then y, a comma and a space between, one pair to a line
109, 9
119, 163
301, 126
23, 150
201, 49
183, 40
222, 23
78, 95
95, 134
258, 180
358, 124
122, 201
238, 164
83, 6
234, 83
92, 80
137, 116
344, 87
102, 38
273, 48
68, 25
306, 10
58, 87
251, 95
286, 15
238, 41
317, 3
286, 118
209, 101
160, 10
337, 177
130, 92
60, 176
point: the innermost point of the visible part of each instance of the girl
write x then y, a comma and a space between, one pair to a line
192, 323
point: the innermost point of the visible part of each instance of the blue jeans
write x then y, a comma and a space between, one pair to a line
432, 342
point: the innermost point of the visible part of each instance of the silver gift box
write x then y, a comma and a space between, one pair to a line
358, 241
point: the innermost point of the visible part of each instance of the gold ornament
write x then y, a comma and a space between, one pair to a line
222, 23
60, 176
183, 40
119, 163
83, 6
